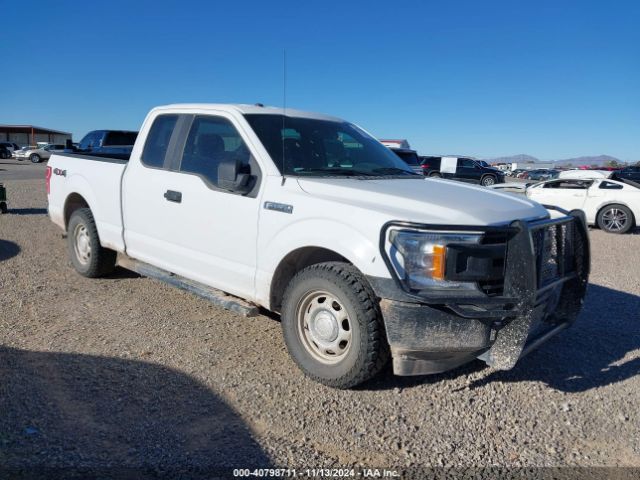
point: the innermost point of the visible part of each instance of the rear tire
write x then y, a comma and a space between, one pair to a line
88, 257
35, 158
615, 219
435, 175
3, 207
332, 325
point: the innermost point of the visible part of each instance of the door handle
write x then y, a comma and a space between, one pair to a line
173, 196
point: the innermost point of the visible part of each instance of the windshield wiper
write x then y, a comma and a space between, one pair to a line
392, 170
349, 172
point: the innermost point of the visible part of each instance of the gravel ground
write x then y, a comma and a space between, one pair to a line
125, 371
12, 169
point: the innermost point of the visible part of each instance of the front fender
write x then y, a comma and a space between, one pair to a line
359, 248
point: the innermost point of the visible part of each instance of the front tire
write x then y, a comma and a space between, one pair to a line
35, 158
615, 219
332, 325
488, 180
88, 257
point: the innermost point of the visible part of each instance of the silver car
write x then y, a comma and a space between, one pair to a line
38, 154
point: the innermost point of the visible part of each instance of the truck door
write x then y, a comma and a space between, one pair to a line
468, 171
176, 216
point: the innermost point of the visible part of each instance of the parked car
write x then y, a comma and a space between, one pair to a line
614, 206
5, 152
410, 157
514, 173
542, 174
361, 258
38, 154
11, 146
628, 173
461, 169
108, 142
430, 166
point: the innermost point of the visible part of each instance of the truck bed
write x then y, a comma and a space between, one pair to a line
94, 180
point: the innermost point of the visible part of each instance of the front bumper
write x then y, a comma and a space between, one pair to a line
545, 277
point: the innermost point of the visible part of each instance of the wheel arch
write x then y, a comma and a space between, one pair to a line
73, 202
292, 263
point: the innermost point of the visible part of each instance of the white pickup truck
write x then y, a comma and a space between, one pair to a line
309, 216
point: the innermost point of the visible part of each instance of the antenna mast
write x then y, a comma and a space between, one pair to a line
284, 105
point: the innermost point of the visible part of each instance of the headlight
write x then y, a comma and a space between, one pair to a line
419, 257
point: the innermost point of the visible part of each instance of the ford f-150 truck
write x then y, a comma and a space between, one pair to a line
310, 217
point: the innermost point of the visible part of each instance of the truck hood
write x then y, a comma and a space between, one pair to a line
433, 201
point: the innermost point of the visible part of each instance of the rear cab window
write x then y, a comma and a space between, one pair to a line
120, 138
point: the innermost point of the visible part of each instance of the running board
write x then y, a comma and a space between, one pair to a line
217, 297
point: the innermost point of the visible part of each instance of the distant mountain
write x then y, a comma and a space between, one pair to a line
599, 160
521, 158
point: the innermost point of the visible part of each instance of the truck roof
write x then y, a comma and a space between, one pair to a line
248, 109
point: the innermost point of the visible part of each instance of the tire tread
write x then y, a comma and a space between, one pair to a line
377, 350
103, 260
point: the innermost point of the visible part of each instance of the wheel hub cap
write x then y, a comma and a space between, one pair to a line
323, 326
82, 245
615, 219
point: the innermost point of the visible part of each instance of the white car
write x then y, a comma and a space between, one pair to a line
612, 205
309, 216
38, 154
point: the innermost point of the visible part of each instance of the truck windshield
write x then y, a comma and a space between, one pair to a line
312, 147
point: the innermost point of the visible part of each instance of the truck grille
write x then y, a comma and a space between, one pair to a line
553, 246
493, 288
554, 251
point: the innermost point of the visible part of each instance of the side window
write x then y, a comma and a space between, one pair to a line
569, 184
610, 186
213, 140
465, 163
155, 148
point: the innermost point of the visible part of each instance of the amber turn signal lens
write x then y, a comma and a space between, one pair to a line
437, 271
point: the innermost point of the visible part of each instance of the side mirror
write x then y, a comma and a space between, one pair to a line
230, 177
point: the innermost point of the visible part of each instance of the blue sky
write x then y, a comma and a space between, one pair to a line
554, 79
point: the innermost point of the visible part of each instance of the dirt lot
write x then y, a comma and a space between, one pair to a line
125, 371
